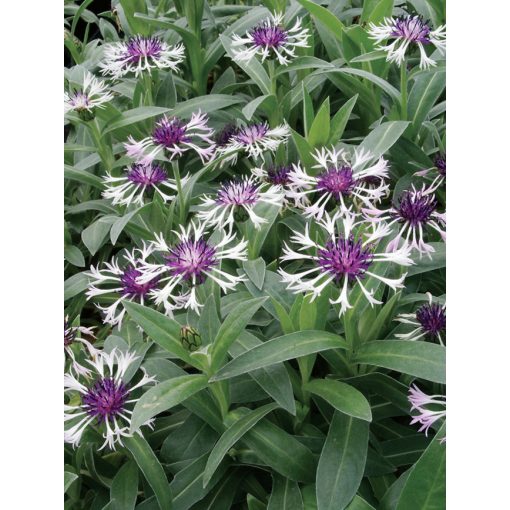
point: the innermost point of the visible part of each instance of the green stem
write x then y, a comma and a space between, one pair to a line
177, 176
403, 90
103, 149
147, 86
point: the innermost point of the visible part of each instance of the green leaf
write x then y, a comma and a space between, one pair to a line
376, 10
285, 495
425, 488
340, 119
230, 438
130, 117
281, 349
164, 396
69, 478
420, 359
206, 104
334, 25
257, 236
74, 285
119, 224
423, 96
73, 255
151, 468
75, 174
342, 462
437, 260
208, 323
268, 102
358, 503
319, 130
256, 271
130, 7
231, 328
342, 397
95, 234
124, 487
383, 137
304, 149
160, 328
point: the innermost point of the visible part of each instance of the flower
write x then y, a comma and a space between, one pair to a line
93, 94
222, 137
236, 197
140, 54
70, 338
254, 139
429, 321
139, 181
277, 175
406, 31
427, 416
338, 180
440, 168
174, 137
344, 260
415, 211
122, 281
107, 399
270, 38
188, 263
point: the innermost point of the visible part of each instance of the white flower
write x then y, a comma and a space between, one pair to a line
406, 31
93, 94
71, 338
105, 399
139, 181
233, 198
121, 281
343, 261
338, 181
140, 54
270, 38
188, 263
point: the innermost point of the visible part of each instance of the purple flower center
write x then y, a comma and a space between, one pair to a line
345, 257
170, 132
139, 47
412, 29
415, 207
131, 287
432, 318
69, 334
191, 259
251, 134
440, 163
146, 175
278, 174
223, 137
337, 181
268, 35
79, 100
237, 193
106, 399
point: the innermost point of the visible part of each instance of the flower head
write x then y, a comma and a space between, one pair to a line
173, 137
430, 407
105, 399
188, 263
270, 39
429, 321
140, 54
439, 168
121, 281
138, 182
416, 210
408, 31
254, 139
340, 181
235, 200
71, 338
223, 137
93, 94
343, 261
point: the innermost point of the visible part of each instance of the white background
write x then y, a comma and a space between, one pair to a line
31, 211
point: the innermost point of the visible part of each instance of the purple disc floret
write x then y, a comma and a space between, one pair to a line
337, 181
415, 207
345, 257
132, 288
432, 318
237, 193
106, 399
440, 162
251, 134
191, 259
412, 29
278, 174
139, 47
266, 35
170, 132
224, 136
146, 175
